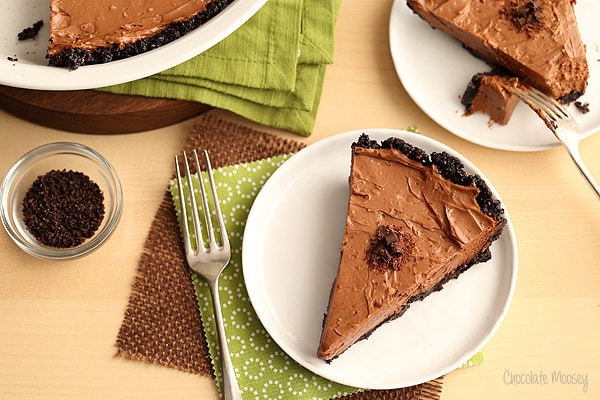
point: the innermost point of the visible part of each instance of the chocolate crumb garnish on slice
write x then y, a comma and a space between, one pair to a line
525, 15
389, 249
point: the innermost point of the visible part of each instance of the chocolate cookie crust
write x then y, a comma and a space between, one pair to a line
449, 166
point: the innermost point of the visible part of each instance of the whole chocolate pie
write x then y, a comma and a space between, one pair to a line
93, 32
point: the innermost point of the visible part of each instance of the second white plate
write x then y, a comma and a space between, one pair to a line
435, 69
290, 258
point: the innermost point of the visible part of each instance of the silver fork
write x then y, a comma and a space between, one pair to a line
561, 123
208, 261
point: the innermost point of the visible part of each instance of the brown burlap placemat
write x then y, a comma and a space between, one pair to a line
162, 323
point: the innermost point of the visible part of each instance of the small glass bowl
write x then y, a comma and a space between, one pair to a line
59, 156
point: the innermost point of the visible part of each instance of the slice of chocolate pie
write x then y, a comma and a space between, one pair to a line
414, 222
490, 93
537, 41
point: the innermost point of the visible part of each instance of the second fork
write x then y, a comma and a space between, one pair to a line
561, 123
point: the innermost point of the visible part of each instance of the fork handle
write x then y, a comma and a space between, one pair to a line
231, 390
573, 149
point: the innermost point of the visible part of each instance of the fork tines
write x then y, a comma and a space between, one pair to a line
199, 241
546, 107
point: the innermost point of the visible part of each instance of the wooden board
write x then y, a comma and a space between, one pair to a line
91, 111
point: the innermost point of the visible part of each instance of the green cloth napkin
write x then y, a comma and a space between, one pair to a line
262, 368
271, 70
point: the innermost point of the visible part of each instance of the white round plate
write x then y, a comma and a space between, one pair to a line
290, 256
32, 71
435, 69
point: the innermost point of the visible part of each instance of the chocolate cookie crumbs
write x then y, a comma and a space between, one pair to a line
583, 107
31, 32
63, 208
389, 248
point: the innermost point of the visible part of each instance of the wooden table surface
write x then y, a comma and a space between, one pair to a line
59, 321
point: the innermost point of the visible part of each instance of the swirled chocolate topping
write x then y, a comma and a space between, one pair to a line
414, 221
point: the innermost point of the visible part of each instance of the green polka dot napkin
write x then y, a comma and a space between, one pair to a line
262, 368
270, 70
